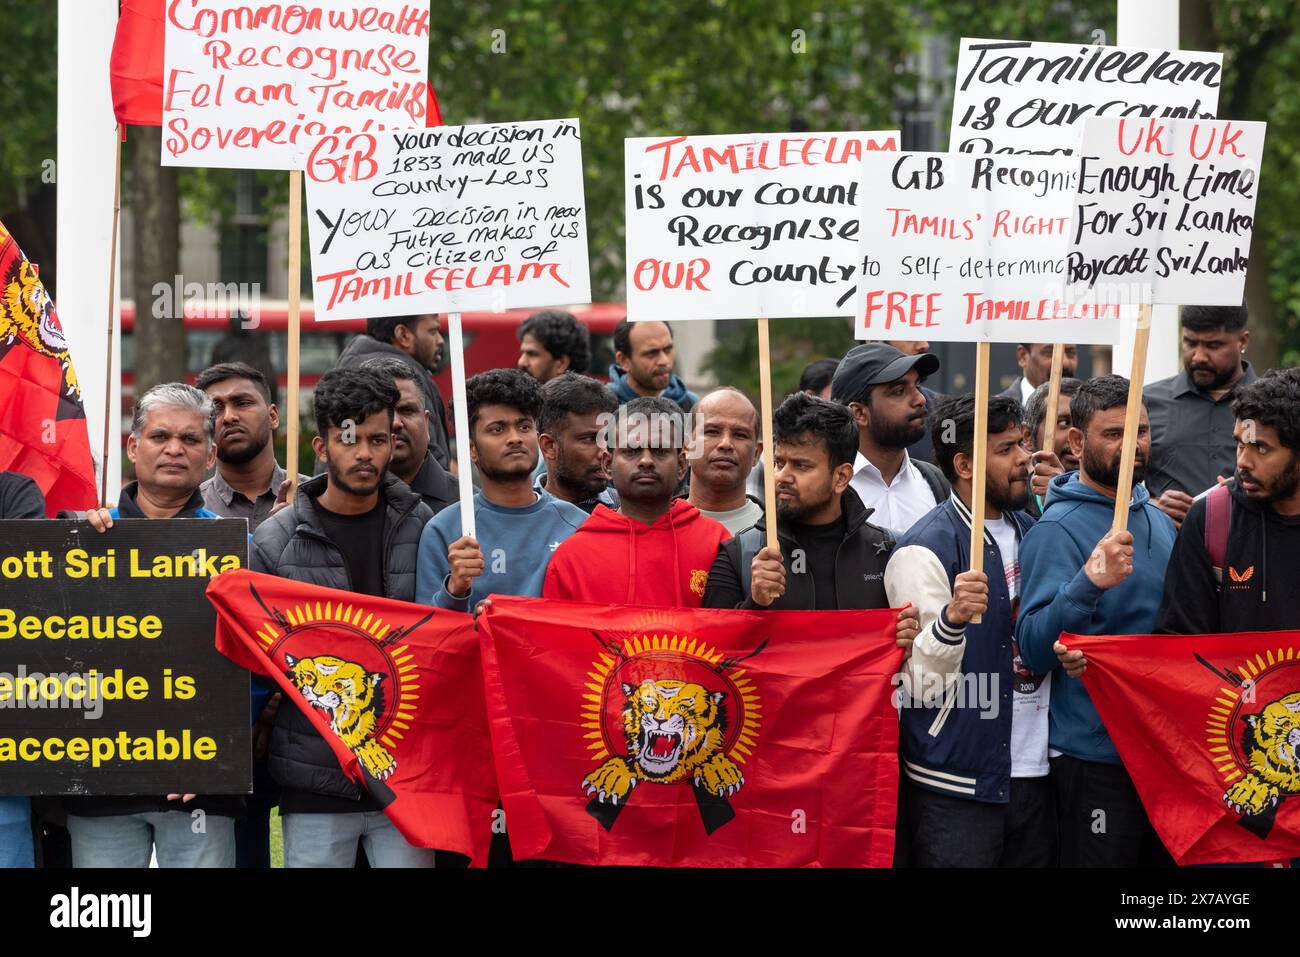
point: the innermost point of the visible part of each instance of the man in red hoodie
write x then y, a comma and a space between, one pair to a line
654, 550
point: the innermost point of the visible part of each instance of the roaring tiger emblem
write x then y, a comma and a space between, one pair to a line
352, 698
674, 731
1270, 742
27, 314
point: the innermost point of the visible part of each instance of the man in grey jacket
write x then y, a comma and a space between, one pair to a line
356, 527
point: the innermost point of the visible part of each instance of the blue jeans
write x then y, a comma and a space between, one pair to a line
125, 840
330, 840
16, 848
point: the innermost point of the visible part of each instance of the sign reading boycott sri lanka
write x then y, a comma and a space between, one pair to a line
461, 217
109, 683
961, 247
747, 225
244, 84
1014, 96
1164, 212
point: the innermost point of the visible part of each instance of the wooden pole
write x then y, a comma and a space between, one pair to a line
112, 322
1053, 397
769, 443
1132, 417
295, 295
460, 414
979, 452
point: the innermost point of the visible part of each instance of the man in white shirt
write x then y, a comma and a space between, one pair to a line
725, 449
880, 386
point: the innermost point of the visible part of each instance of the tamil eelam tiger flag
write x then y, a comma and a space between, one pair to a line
691, 737
43, 431
1208, 727
396, 689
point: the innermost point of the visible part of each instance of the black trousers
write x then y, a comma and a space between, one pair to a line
951, 831
1102, 821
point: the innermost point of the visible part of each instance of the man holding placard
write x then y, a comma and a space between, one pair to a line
1083, 577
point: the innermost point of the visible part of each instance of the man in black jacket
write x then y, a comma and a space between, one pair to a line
1243, 537
356, 527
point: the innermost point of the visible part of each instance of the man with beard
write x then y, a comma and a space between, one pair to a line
552, 343
356, 527
656, 549
725, 449
1192, 444
1035, 361
412, 461
644, 356
978, 792
417, 341
1245, 528
571, 432
881, 387
1051, 453
248, 479
1081, 576
518, 529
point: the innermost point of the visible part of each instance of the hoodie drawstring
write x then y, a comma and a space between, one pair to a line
1263, 521
677, 569
631, 563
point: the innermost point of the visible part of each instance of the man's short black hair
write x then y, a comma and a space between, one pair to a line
560, 334
817, 375
573, 394
953, 426
383, 327
1211, 318
1097, 395
1273, 400
623, 336
803, 417
510, 387
233, 370
351, 395
1036, 407
665, 417
392, 367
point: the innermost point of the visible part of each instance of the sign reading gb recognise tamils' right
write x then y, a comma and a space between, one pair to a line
110, 682
746, 225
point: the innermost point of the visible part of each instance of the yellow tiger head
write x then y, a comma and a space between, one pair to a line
1271, 740
350, 696
27, 314
672, 727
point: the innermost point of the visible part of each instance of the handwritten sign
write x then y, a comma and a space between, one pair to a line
244, 84
1014, 96
1165, 211
959, 248
746, 225
450, 219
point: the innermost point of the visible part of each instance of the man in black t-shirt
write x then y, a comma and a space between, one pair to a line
355, 527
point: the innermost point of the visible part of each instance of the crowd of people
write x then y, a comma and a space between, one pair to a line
640, 492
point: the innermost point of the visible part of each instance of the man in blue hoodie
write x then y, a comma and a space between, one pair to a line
1081, 576
643, 364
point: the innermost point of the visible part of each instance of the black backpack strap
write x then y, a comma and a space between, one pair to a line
751, 543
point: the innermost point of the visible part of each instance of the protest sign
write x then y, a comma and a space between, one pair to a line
956, 247
244, 85
451, 219
109, 681
1164, 212
1016, 96
746, 225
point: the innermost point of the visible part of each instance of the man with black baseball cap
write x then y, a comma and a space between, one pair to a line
881, 387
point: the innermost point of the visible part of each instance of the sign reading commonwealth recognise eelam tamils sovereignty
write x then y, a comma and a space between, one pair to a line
110, 682
746, 225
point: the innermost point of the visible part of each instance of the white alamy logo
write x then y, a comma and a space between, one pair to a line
78, 910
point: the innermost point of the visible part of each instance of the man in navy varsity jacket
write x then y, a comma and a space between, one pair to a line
974, 720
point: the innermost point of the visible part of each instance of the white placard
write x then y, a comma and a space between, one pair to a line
452, 219
1165, 211
963, 248
244, 84
1016, 96
742, 226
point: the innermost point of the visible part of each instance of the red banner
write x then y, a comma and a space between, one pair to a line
396, 689
675, 737
1208, 727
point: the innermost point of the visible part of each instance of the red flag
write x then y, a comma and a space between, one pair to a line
42, 423
414, 729
1208, 726
693, 737
135, 67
